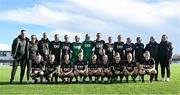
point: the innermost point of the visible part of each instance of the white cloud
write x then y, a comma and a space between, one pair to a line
132, 11
39, 15
69, 33
94, 15
42, 15
110, 17
5, 47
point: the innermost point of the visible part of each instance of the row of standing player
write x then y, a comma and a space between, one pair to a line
81, 69
25, 51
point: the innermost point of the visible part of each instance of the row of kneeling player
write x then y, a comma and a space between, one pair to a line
80, 70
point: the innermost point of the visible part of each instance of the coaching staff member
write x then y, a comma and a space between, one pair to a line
20, 54
44, 47
153, 48
165, 51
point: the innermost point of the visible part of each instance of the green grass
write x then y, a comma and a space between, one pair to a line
172, 87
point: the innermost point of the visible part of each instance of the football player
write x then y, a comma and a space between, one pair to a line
87, 47
129, 48
99, 47
37, 69
119, 47
80, 68
51, 69
118, 67
66, 69
131, 68
109, 50
106, 69
66, 47
94, 69
76, 48
56, 48
147, 66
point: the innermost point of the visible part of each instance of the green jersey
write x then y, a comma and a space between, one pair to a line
76, 47
87, 47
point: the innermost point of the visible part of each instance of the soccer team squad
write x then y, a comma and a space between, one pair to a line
89, 61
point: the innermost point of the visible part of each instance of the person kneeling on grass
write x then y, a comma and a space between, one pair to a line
94, 69
80, 68
37, 69
51, 69
147, 66
66, 69
130, 68
118, 67
105, 69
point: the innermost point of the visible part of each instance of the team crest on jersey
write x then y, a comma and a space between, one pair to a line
87, 45
56, 46
120, 47
77, 47
99, 45
129, 49
65, 47
110, 48
129, 68
80, 67
66, 69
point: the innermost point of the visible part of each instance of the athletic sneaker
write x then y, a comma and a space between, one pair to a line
28, 82
168, 79
102, 81
163, 79
81, 80
46, 81
68, 80
33, 81
139, 79
90, 81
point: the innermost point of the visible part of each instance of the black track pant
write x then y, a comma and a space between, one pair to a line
165, 65
156, 67
29, 70
22, 63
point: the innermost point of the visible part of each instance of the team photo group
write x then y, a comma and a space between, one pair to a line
90, 61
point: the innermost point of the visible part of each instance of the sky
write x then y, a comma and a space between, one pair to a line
130, 18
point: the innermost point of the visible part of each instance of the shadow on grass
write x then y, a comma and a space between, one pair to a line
59, 83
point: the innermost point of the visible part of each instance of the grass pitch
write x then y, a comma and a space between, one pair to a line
172, 87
